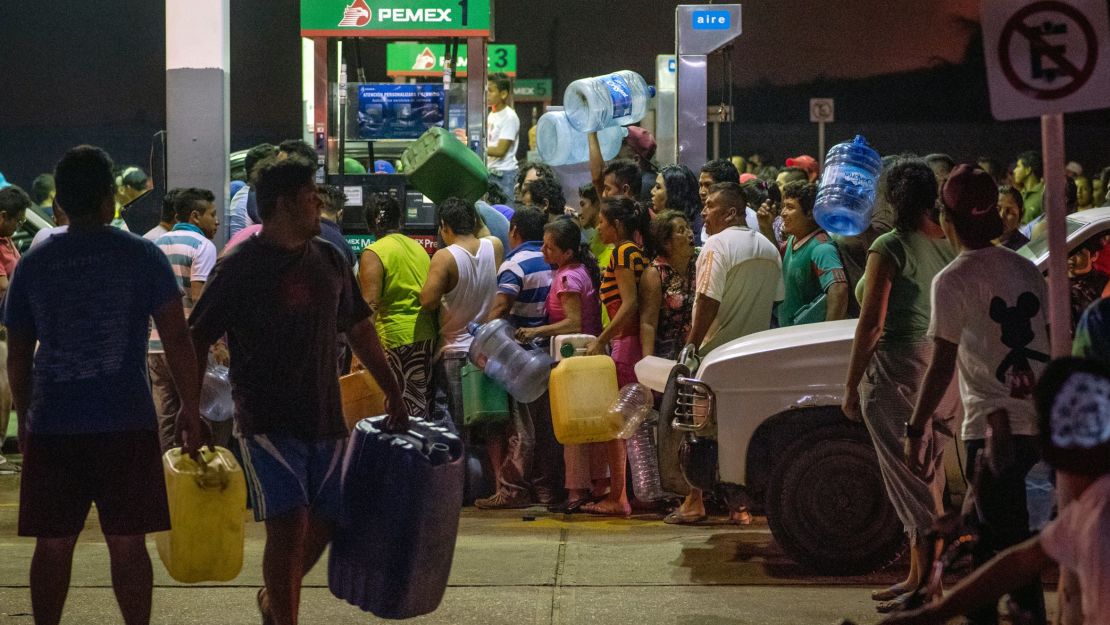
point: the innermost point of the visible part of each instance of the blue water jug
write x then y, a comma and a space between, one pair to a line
846, 197
616, 99
560, 144
401, 497
521, 372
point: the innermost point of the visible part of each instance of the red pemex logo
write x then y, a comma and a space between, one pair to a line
356, 14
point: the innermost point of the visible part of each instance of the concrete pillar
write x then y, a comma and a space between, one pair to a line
197, 99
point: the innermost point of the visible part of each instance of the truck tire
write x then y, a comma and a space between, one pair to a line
827, 505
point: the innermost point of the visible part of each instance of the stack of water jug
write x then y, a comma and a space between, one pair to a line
602, 104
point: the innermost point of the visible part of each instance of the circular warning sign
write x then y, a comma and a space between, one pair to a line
1056, 48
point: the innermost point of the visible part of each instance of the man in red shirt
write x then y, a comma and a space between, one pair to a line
14, 203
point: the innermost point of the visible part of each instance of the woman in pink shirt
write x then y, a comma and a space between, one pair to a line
573, 307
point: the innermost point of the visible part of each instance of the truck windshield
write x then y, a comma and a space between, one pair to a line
1037, 247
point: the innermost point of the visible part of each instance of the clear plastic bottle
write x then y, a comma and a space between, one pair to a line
846, 197
216, 403
560, 144
631, 407
521, 372
643, 459
616, 99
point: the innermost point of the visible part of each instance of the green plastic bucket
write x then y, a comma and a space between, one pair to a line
485, 403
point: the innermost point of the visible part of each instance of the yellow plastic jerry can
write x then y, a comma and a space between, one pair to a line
207, 505
582, 388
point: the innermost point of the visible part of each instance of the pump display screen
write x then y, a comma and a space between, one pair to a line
397, 111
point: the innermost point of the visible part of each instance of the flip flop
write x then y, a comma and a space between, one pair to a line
887, 594
591, 508
677, 518
894, 605
570, 507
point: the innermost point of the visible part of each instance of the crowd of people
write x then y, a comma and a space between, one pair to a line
651, 260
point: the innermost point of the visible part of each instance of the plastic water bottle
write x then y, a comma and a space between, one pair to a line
644, 462
216, 403
560, 144
631, 407
617, 99
521, 372
846, 197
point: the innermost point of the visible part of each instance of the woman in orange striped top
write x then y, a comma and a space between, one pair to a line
621, 223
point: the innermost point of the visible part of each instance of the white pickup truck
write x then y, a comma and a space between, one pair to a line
781, 439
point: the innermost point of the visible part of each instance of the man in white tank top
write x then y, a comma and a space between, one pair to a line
461, 284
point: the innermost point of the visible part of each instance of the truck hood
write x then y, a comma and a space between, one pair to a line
800, 365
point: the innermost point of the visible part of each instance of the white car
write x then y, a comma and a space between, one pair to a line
782, 440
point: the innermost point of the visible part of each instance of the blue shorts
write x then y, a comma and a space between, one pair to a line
285, 473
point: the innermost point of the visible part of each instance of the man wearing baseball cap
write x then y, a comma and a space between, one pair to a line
987, 321
1073, 404
806, 162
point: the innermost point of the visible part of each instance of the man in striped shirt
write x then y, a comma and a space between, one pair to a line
192, 256
522, 285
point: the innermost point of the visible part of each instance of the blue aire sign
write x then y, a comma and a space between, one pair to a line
711, 20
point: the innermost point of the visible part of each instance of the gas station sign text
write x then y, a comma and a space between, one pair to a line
394, 18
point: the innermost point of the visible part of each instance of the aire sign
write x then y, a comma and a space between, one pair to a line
395, 18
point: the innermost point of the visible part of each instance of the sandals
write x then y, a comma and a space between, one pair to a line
570, 507
887, 594
677, 518
895, 605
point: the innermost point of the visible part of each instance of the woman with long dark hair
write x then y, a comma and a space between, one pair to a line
676, 188
890, 354
622, 222
573, 307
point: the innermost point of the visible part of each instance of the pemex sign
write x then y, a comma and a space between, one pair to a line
395, 18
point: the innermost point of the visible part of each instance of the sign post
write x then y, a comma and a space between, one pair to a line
1046, 58
821, 111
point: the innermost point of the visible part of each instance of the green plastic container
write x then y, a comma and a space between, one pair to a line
440, 166
484, 402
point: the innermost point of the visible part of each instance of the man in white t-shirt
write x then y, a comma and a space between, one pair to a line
994, 332
739, 279
502, 133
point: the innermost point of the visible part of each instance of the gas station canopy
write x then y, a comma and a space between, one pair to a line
396, 18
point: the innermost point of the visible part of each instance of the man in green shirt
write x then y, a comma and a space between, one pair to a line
1028, 176
816, 286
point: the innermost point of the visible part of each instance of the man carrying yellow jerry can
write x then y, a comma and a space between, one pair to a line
87, 426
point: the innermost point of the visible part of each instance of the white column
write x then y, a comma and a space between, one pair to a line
197, 98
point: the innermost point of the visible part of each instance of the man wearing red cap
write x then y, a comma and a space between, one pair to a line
806, 162
994, 332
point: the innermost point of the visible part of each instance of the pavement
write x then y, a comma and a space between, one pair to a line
511, 567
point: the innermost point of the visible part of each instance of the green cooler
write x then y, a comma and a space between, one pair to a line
440, 166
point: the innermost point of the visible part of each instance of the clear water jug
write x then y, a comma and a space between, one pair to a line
560, 144
582, 389
523, 373
616, 99
207, 502
216, 403
846, 197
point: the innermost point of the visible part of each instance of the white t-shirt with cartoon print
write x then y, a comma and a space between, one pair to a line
991, 303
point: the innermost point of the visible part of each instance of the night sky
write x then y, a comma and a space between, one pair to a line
94, 70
